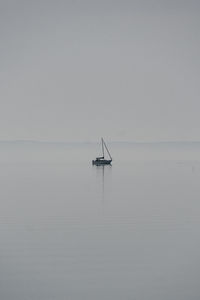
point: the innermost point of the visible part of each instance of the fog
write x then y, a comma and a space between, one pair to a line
77, 70
71, 72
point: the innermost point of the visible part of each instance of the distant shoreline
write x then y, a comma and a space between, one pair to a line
64, 143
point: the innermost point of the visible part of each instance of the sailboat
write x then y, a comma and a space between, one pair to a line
99, 161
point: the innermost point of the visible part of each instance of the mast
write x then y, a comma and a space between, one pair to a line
106, 148
102, 146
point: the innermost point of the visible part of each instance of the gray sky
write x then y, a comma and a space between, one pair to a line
78, 70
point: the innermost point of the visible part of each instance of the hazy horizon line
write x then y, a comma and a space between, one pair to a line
95, 142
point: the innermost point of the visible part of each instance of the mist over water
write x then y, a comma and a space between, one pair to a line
74, 71
70, 230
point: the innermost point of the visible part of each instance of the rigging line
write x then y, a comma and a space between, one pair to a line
107, 149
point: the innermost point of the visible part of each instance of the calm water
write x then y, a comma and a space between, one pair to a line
75, 231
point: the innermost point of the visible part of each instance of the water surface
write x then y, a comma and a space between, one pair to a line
75, 231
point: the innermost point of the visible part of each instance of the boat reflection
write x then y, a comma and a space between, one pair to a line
104, 176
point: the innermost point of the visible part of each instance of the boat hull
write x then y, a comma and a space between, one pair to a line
101, 162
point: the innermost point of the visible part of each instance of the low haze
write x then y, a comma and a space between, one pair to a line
82, 218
